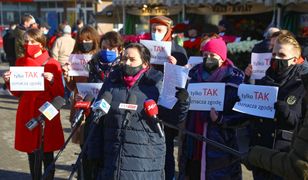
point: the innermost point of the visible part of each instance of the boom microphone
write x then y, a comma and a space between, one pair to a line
101, 107
82, 106
151, 109
48, 111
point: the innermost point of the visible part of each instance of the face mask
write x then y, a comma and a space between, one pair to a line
31, 50
131, 71
107, 56
45, 32
210, 64
85, 46
157, 36
280, 65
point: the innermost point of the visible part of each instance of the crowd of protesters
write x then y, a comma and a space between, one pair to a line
118, 149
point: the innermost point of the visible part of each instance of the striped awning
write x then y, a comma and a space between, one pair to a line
203, 2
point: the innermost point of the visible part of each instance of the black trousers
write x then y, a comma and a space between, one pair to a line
48, 157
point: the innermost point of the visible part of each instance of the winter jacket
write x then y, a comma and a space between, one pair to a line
63, 48
31, 101
135, 151
219, 164
9, 44
19, 33
291, 165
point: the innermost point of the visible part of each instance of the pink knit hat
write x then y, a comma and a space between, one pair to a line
217, 46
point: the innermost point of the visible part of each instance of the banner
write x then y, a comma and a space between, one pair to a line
260, 63
89, 88
257, 100
78, 64
27, 78
204, 96
160, 50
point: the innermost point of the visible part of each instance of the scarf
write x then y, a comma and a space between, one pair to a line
131, 80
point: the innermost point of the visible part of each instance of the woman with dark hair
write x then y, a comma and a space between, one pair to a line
30, 102
134, 150
87, 43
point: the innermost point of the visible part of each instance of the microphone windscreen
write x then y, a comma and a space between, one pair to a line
58, 102
150, 107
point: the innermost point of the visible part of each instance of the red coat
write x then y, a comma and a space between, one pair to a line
29, 103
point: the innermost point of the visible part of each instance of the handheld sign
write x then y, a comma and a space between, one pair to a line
174, 76
260, 63
194, 60
204, 96
27, 78
89, 88
78, 64
257, 100
160, 50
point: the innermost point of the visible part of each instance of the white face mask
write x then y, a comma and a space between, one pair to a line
158, 36
45, 32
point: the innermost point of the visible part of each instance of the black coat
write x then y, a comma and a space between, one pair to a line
277, 133
135, 151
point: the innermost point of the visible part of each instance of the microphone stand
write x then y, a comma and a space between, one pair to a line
92, 127
202, 138
39, 153
52, 165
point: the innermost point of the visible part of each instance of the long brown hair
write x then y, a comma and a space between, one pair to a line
37, 35
87, 33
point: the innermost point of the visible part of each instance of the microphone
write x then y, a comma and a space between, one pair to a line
82, 106
151, 109
48, 110
101, 107
130, 106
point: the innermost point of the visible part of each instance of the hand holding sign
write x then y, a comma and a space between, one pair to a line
6, 76
172, 60
48, 76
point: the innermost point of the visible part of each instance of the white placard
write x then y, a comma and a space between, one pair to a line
174, 76
27, 78
89, 88
160, 50
78, 64
48, 110
260, 63
257, 100
204, 96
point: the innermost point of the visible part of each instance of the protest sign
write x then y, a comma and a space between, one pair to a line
260, 63
174, 76
257, 100
160, 50
27, 78
89, 88
204, 96
194, 60
78, 64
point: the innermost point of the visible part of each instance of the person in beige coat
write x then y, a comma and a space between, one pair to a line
63, 46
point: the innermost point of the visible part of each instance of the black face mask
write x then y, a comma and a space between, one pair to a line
210, 64
280, 65
85, 47
131, 71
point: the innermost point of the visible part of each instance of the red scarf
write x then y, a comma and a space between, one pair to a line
131, 80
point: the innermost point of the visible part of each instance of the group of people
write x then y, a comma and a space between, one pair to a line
122, 146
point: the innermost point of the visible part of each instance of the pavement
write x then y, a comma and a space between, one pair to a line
14, 164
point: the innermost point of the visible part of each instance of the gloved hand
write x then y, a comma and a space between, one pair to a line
181, 94
282, 109
245, 161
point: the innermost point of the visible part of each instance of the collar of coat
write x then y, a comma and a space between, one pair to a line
150, 77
